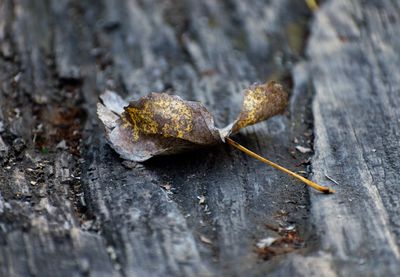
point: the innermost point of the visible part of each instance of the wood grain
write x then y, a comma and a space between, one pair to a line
70, 206
353, 52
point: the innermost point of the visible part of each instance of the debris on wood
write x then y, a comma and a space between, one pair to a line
202, 199
266, 242
3, 149
304, 162
331, 179
131, 164
62, 145
279, 214
303, 149
111, 252
18, 145
288, 241
166, 186
205, 239
290, 228
206, 209
17, 77
302, 172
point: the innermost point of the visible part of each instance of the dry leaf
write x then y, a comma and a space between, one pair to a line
161, 124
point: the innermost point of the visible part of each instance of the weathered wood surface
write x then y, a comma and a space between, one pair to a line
69, 206
354, 63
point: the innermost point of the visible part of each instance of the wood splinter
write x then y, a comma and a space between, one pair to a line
287, 171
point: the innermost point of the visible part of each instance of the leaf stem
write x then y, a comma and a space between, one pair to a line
281, 168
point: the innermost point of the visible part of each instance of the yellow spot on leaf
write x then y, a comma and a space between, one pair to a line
160, 114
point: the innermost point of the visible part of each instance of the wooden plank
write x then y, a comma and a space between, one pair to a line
70, 205
44, 230
57, 57
151, 230
354, 56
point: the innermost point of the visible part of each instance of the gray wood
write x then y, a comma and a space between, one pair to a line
69, 206
360, 146
354, 67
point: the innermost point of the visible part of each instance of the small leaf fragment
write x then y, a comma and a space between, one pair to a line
303, 149
260, 103
205, 239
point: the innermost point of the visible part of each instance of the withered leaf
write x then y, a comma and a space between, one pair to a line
161, 124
